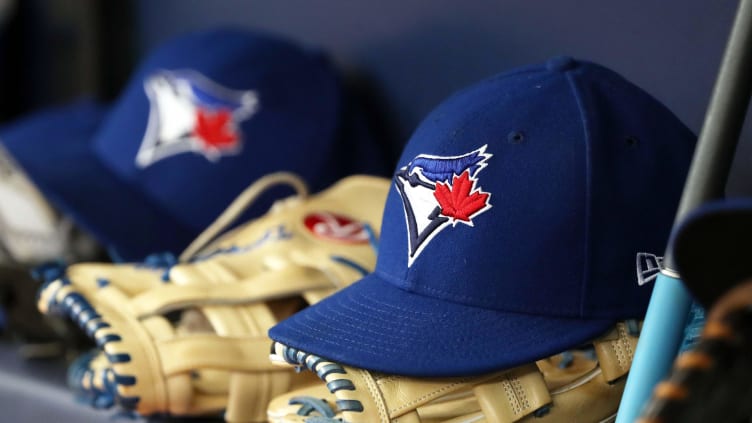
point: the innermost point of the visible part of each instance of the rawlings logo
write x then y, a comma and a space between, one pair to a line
336, 227
438, 192
190, 113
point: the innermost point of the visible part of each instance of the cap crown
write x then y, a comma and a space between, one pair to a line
532, 192
209, 112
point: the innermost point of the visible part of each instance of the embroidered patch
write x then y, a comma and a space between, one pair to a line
439, 191
648, 267
190, 113
336, 227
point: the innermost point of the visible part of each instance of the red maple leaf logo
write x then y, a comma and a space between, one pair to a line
459, 200
213, 128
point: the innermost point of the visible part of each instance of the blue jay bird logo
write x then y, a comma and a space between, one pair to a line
438, 192
191, 113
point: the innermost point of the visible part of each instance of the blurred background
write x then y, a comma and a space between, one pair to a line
404, 57
407, 55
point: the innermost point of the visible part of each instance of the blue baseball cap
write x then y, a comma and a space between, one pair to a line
511, 229
71, 123
204, 116
711, 248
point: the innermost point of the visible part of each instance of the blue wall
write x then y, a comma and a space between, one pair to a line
421, 51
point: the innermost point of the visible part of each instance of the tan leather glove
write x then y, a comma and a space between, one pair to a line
190, 338
566, 388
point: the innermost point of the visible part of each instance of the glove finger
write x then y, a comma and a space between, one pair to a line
196, 343
131, 279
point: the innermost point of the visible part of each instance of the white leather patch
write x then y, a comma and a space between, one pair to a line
30, 229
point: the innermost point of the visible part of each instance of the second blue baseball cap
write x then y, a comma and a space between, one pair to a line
711, 248
511, 229
204, 116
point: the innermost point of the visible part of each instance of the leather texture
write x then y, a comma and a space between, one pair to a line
576, 386
190, 338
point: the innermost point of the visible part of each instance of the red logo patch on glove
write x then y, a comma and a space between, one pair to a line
336, 227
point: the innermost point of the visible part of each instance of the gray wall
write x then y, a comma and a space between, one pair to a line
421, 51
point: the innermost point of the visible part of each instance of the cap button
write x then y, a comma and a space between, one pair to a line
561, 64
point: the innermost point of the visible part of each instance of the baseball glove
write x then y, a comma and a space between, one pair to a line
189, 338
711, 382
577, 386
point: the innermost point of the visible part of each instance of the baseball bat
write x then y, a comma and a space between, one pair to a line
714, 153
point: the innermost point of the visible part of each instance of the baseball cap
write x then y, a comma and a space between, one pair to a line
711, 248
31, 229
204, 115
511, 228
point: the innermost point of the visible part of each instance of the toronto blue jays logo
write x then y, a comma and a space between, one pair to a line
190, 113
438, 192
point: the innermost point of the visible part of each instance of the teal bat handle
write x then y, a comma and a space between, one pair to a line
662, 333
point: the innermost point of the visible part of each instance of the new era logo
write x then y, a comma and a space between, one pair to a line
648, 267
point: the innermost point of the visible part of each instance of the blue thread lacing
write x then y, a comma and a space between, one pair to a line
63, 281
351, 264
49, 271
314, 363
693, 327
79, 310
310, 404
80, 371
372, 239
567, 358
163, 260
542, 411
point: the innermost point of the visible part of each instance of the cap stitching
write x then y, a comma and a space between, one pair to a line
342, 332
370, 316
455, 296
359, 345
363, 346
391, 329
379, 335
588, 178
419, 294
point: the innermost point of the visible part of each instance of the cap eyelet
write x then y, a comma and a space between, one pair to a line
516, 137
631, 141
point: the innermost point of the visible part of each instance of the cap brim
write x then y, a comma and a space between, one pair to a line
56, 153
376, 326
711, 248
